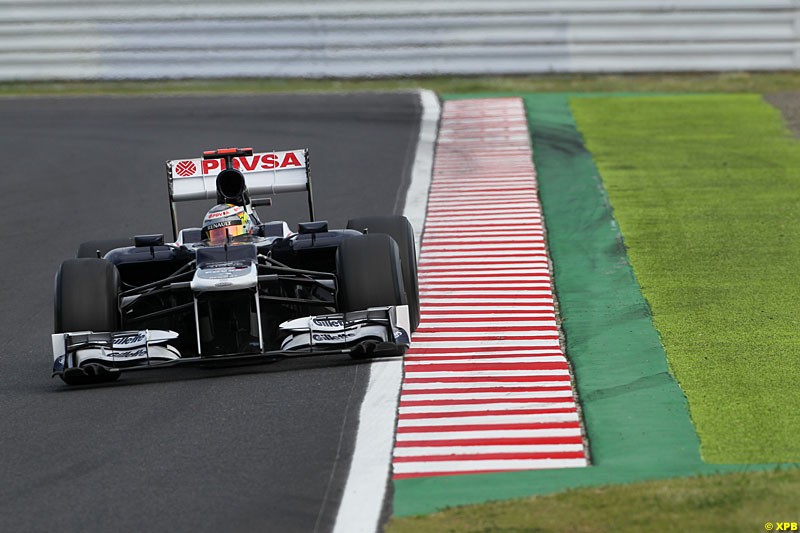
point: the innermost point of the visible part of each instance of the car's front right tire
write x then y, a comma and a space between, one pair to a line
87, 299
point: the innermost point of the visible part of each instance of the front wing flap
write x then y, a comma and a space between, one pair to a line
113, 350
379, 331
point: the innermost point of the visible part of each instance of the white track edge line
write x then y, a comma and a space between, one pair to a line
371, 467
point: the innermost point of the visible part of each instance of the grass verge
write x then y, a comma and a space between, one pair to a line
731, 502
706, 190
763, 82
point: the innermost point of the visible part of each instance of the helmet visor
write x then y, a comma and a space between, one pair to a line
220, 235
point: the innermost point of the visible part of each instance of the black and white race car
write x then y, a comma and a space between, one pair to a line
143, 303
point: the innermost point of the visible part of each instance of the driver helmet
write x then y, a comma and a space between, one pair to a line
225, 221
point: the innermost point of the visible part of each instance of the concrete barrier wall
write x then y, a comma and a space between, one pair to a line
118, 39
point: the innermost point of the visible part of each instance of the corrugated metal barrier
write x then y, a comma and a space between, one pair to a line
117, 39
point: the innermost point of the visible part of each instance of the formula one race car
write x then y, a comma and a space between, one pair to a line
236, 290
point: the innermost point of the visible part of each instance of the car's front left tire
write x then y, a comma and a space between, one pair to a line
369, 275
399, 229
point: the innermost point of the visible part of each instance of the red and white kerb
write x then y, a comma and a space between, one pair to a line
487, 387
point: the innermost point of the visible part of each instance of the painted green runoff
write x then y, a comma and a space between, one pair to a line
706, 190
637, 420
731, 502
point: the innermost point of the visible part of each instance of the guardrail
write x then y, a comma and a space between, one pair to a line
119, 39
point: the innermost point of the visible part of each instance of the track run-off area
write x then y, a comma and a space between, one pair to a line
636, 417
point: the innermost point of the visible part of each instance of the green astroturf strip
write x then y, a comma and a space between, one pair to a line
706, 190
637, 420
730, 503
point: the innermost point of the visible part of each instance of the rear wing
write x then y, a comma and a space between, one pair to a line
265, 173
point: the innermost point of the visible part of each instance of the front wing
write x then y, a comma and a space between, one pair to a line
376, 332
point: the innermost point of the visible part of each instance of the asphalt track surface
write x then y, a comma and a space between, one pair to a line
263, 448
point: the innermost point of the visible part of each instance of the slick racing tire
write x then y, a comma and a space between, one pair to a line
369, 274
399, 229
90, 248
86, 299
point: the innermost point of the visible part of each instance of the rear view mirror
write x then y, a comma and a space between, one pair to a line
141, 241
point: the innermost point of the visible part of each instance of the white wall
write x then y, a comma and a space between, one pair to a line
113, 39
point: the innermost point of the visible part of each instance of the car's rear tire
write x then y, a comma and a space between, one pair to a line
399, 229
86, 299
89, 249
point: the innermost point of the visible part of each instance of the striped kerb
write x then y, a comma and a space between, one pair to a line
487, 387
